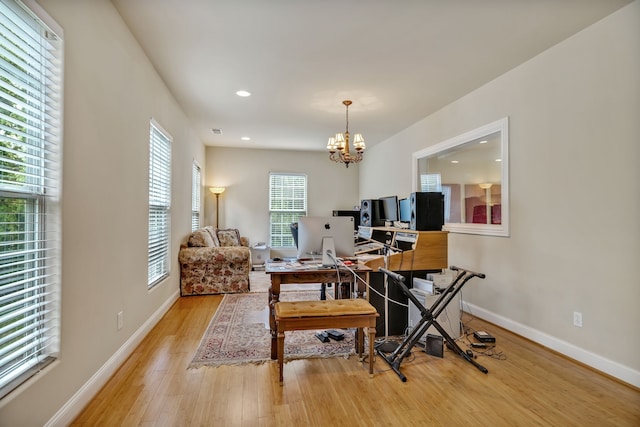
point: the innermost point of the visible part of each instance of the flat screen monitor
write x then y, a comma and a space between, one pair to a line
390, 208
354, 214
313, 229
405, 210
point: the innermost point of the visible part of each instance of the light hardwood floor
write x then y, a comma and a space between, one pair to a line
527, 386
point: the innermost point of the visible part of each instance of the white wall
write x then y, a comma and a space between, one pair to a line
574, 194
245, 174
574, 199
111, 92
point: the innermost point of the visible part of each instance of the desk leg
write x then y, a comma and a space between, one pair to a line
372, 337
360, 343
274, 297
361, 287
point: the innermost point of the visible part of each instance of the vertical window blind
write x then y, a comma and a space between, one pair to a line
287, 203
159, 203
195, 196
30, 170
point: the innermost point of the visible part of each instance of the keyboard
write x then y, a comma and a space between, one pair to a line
368, 247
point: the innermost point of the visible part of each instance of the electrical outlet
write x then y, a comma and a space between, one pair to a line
577, 319
120, 320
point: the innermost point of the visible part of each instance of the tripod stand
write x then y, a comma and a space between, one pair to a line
428, 318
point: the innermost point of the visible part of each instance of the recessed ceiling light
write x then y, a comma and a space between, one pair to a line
484, 141
498, 160
245, 138
243, 93
454, 161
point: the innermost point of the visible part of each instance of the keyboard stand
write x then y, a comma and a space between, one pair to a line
428, 318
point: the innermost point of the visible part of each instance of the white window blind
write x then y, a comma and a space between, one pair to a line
430, 182
159, 203
287, 203
30, 170
195, 196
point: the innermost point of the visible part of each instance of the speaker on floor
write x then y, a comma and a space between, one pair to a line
427, 211
398, 317
371, 213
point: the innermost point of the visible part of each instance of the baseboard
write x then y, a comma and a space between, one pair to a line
70, 410
595, 361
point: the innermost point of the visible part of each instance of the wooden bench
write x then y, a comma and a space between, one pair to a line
329, 314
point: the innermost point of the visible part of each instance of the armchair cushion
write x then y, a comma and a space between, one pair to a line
229, 237
200, 239
214, 235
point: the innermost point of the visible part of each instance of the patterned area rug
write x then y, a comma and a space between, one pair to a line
239, 333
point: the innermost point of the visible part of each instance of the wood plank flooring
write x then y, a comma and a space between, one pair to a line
527, 385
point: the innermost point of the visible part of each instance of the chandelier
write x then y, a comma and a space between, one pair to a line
338, 145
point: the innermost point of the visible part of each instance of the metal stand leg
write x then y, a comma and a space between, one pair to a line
428, 319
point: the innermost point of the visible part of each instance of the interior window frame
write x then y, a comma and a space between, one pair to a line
448, 146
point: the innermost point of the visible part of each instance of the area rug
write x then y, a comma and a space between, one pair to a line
239, 333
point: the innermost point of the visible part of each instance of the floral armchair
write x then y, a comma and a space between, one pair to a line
214, 261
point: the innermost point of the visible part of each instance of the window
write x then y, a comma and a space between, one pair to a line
472, 171
30, 139
430, 182
287, 203
195, 196
159, 203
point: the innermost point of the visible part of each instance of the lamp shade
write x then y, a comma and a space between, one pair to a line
331, 144
358, 141
217, 190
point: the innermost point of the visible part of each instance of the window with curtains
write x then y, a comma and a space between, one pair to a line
159, 203
195, 196
287, 203
30, 170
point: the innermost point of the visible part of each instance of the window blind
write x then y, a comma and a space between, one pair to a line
30, 170
159, 203
430, 182
287, 203
195, 196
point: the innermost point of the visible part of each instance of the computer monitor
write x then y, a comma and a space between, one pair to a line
390, 208
405, 209
355, 214
312, 231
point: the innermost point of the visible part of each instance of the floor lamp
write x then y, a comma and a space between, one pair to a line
217, 191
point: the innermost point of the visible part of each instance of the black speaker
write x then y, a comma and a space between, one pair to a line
371, 213
354, 214
398, 315
427, 211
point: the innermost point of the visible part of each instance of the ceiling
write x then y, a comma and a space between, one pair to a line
398, 61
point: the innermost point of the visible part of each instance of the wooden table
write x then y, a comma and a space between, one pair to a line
283, 273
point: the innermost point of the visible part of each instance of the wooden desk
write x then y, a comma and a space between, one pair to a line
428, 251
282, 274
